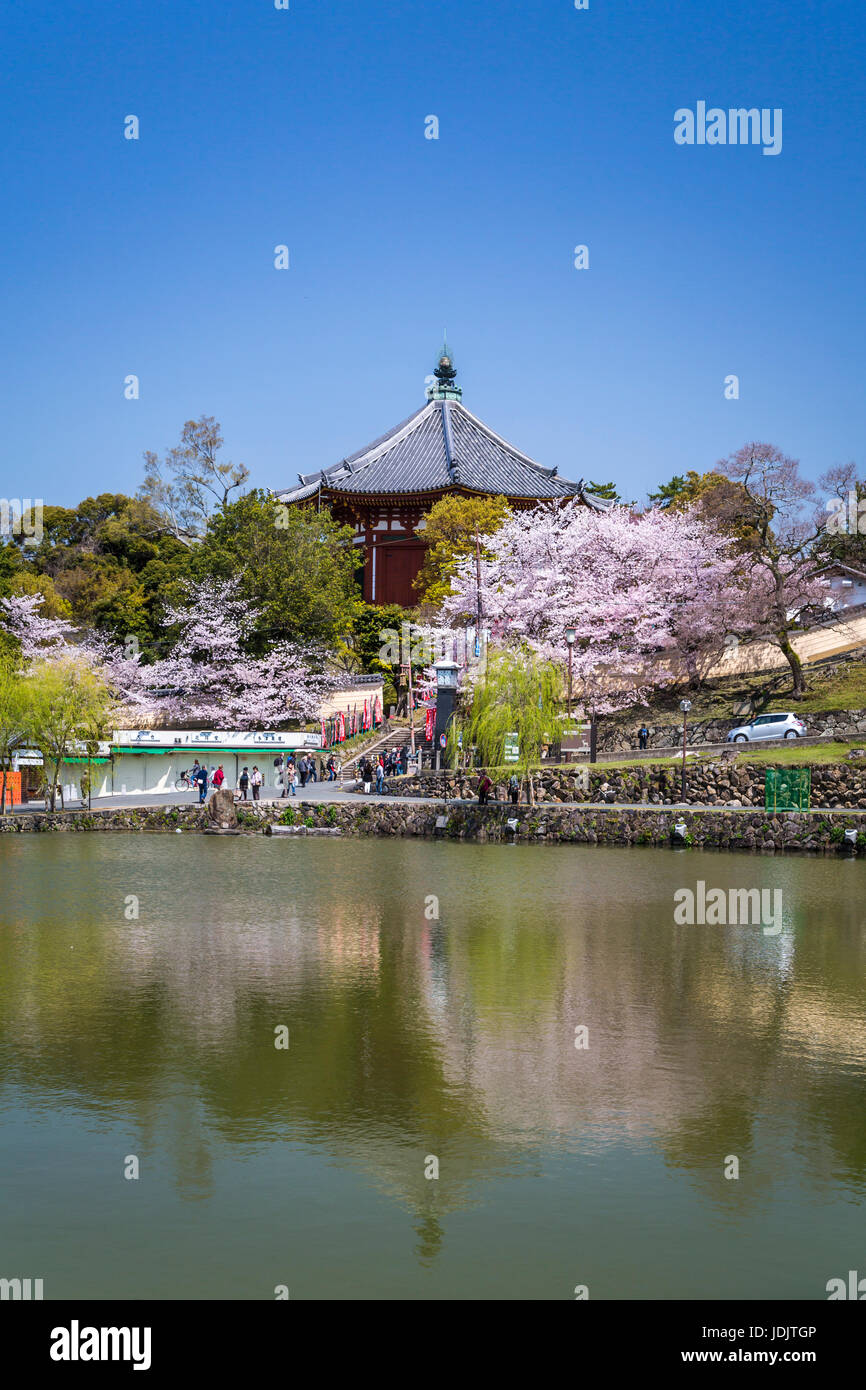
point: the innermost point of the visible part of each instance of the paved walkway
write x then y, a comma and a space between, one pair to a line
328, 792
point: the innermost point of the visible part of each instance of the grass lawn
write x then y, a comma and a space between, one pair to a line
790, 755
844, 688
837, 686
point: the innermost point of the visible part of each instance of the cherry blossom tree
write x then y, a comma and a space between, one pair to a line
48, 640
209, 675
648, 596
779, 568
36, 635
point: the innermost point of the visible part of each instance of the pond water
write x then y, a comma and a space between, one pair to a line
418, 1042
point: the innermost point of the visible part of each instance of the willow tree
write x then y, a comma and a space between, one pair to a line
68, 705
520, 693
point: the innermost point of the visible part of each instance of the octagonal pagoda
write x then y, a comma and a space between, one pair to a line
384, 489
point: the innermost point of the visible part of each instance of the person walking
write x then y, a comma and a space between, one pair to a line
484, 789
366, 774
380, 776
244, 783
311, 766
513, 788
219, 777
256, 780
404, 759
302, 770
332, 769
642, 736
291, 780
201, 778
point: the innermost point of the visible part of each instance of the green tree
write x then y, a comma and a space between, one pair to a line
519, 693
67, 705
673, 494
296, 564
107, 563
450, 529
607, 491
721, 501
191, 484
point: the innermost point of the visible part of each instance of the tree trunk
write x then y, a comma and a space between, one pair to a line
795, 664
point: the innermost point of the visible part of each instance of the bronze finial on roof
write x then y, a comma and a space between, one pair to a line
445, 373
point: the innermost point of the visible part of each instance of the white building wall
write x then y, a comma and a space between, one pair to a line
134, 773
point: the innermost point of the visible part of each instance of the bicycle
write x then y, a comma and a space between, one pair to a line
185, 783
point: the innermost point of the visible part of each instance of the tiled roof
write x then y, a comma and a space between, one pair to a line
441, 446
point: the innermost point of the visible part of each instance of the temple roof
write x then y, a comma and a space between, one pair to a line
440, 447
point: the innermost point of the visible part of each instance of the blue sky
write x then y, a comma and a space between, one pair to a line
306, 127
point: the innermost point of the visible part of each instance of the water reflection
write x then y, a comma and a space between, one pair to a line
452, 1037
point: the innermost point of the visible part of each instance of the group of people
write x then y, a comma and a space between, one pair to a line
250, 782
394, 763
288, 771
485, 787
202, 779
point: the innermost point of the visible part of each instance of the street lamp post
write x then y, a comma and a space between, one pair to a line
411, 709
446, 695
685, 706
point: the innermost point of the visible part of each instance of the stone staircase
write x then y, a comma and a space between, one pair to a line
395, 736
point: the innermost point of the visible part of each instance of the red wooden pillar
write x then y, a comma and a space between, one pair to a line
368, 562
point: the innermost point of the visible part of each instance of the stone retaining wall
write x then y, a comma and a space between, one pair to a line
815, 831
717, 783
